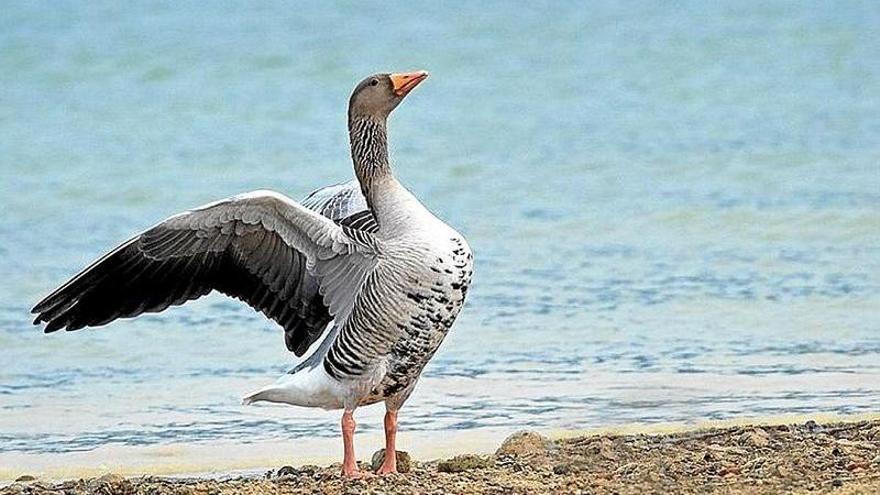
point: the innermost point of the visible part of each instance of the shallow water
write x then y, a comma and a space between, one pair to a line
675, 211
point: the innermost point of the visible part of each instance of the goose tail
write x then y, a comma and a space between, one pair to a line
309, 387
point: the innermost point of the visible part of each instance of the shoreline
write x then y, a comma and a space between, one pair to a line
228, 458
748, 455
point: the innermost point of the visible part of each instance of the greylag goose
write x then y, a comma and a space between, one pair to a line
363, 263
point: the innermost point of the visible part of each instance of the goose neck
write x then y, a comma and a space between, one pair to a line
369, 153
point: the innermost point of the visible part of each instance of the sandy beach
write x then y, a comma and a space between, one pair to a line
763, 457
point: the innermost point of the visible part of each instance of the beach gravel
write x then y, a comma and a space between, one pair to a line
839, 458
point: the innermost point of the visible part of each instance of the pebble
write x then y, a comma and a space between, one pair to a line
562, 468
757, 438
783, 471
286, 471
524, 443
852, 466
404, 462
110, 483
813, 427
111, 478
464, 462
730, 471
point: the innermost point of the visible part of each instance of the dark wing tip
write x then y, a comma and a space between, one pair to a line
40, 306
54, 326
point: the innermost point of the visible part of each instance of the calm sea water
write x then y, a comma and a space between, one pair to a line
675, 210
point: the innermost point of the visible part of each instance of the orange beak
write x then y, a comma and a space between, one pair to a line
404, 83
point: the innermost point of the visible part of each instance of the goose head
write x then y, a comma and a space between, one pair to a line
376, 96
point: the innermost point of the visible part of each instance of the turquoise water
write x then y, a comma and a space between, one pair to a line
675, 210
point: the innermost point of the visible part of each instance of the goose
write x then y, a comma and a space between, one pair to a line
362, 263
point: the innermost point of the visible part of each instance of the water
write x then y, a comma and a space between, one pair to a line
675, 210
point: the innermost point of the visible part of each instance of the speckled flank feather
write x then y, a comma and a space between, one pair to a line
433, 301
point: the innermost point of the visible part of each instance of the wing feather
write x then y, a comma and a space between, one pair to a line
259, 247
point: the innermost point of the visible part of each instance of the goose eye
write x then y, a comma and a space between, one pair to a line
374, 82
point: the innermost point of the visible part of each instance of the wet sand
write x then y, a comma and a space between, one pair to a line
803, 457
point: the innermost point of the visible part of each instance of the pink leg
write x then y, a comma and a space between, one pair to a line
390, 464
349, 463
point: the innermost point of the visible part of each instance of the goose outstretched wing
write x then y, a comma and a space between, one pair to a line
293, 264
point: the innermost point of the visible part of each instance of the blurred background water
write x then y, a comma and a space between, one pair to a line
675, 209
